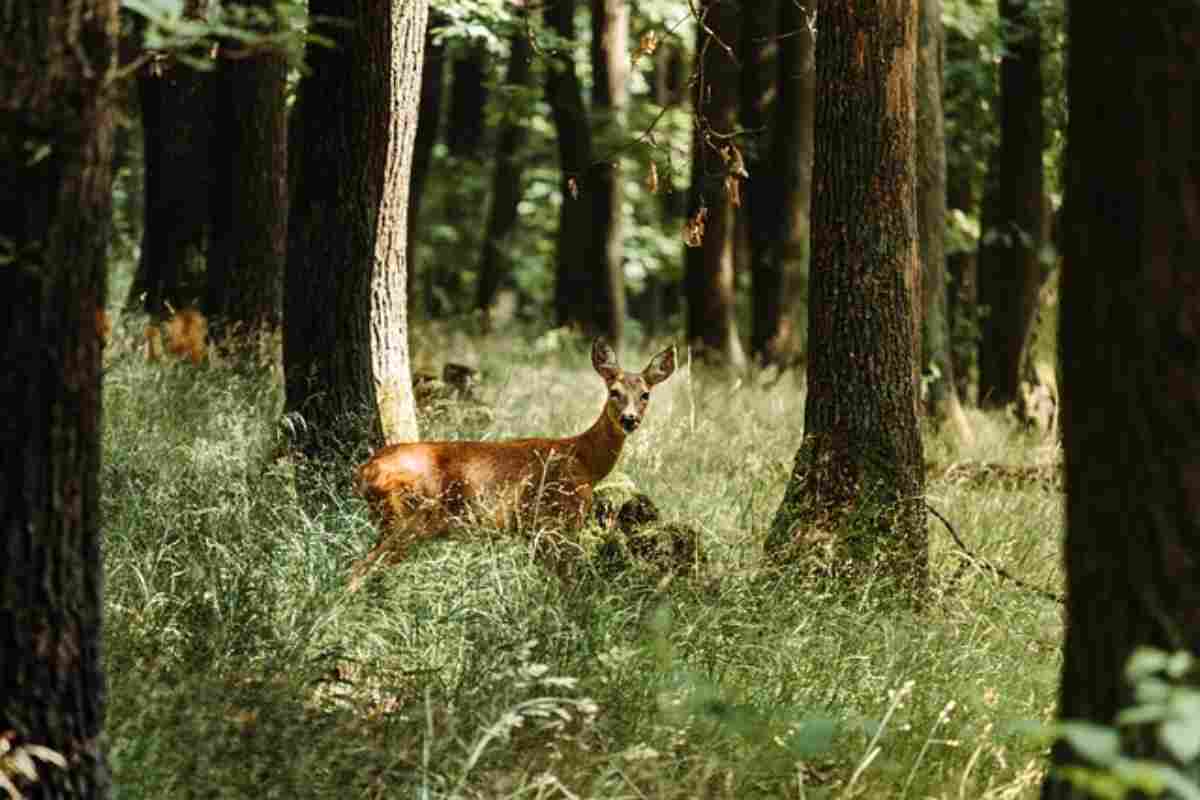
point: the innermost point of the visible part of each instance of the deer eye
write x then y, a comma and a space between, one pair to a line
645, 396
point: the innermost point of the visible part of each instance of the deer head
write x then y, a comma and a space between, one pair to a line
629, 392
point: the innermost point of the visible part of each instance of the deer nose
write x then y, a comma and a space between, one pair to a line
629, 422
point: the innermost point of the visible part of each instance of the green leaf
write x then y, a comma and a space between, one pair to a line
1145, 662
1097, 743
1181, 737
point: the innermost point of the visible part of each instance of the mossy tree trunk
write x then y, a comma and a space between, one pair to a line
709, 269
345, 325
610, 96
858, 479
248, 238
942, 404
495, 263
56, 136
1010, 267
1130, 347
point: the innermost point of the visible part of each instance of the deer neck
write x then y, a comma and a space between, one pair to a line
599, 447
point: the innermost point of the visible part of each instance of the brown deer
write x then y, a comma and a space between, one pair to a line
421, 490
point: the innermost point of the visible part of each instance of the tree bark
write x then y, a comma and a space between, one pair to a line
495, 263
248, 238
1010, 268
345, 325
610, 96
709, 270
57, 78
574, 282
942, 403
858, 479
177, 104
1130, 345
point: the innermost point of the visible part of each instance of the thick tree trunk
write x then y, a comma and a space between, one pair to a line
248, 239
495, 263
709, 276
610, 95
574, 283
1010, 268
177, 104
858, 479
429, 118
345, 325
942, 403
1130, 303
56, 84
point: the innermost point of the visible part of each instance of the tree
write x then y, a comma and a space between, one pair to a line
345, 342
573, 282
1010, 268
1129, 342
495, 263
943, 404
859, 473
717, 171
248, 237
468, 99
56, 134
610, 95
177, 108
429, 118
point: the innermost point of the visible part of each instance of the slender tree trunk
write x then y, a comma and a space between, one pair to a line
610, 96
942, 403
177, 104
345, 332
1130, 306
1010, 269
574, 282
709, 271
429, 118
248, 240
495, 263
963, 288
859, 474
57, 79
468, 99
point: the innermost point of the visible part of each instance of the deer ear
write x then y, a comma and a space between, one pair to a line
604, 360
660, 367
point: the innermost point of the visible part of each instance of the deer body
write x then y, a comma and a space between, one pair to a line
421, 490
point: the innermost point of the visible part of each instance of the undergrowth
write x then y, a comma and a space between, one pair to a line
240, 666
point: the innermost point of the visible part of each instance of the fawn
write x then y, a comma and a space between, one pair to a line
420, 490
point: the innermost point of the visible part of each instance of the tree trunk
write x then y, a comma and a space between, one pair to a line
57, 78
1010, 269
858, 478
345, 325
429, 118
1129, 342
178, 105
248, 239
574, 282
468, 99
709, 271
610, 96
495, 263
963, 288
942, 403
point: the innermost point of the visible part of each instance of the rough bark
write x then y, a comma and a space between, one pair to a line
573, 281
429, 119
858, 478
942, 403
248, 237
1130, 346
495, 263
1010, 268
57, 64
177, 104
345, 325
610, 96
709, 269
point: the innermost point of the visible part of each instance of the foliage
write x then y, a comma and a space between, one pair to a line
1166, 708
239, 664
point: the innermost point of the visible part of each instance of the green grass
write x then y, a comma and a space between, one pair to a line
240, 666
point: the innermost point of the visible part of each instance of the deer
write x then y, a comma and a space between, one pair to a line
422, 490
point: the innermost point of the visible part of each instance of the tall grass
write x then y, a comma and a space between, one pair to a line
240, 666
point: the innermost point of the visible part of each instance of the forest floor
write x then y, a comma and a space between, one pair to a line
240, 666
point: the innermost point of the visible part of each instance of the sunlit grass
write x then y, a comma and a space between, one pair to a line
240, 666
